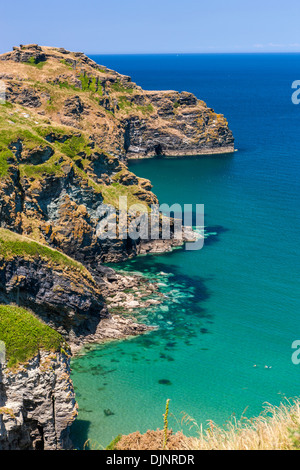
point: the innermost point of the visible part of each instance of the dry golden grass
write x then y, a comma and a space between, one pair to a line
276, 428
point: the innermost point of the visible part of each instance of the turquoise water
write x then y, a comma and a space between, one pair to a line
235, 303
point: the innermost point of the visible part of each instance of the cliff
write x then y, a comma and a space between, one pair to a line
62, 292
122, 118
67, 129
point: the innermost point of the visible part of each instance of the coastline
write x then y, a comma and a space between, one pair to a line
200, 152
111, 329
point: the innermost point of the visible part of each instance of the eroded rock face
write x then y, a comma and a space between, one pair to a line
37, 404
183, 125
96, 120
69, 127
139, 123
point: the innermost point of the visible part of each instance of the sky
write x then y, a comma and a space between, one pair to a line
156, 26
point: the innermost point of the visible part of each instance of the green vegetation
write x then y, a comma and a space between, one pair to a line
7, 104
74, 146
51, 105
112, 193
30, 139
24, 335
4, 165
63, 61
118, 87
176, 104
32, 61
90, 84
51, 167
166, 424
114, 442
13, 244
67, 86
124, 103
148, 109
87, 84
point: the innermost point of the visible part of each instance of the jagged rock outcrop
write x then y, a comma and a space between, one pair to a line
62, 292
67, 130
66, 299
85, 121
37, 404
182, 125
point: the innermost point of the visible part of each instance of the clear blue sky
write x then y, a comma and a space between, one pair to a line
156, 26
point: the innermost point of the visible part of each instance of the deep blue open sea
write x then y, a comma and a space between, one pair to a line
235, 303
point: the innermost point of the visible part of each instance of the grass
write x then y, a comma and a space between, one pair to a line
166, 424
4, 165
25, 335
67, 86
124, 103
44, 169
7, 104
119, 88
277, 428
74, 146
13, 244
38, 65
112, 193
147, 109
114, 442
64, 62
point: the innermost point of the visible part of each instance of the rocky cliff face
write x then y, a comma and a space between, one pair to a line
37, 404
124, 119
62, 292
67, 130
182, 125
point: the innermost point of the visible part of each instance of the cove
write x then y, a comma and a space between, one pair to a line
232, 305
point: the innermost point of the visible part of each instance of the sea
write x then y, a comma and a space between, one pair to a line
223, 349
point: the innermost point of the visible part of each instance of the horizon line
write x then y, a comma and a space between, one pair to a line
192, 53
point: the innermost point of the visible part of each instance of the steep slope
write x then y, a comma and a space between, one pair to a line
122, 118
37, 399
67, 129
61, 291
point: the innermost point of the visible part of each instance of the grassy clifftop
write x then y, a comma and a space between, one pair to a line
14, 245
71, 89
24, 335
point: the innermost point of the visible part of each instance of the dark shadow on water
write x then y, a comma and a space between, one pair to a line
215, 231
79, 433
185, 296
